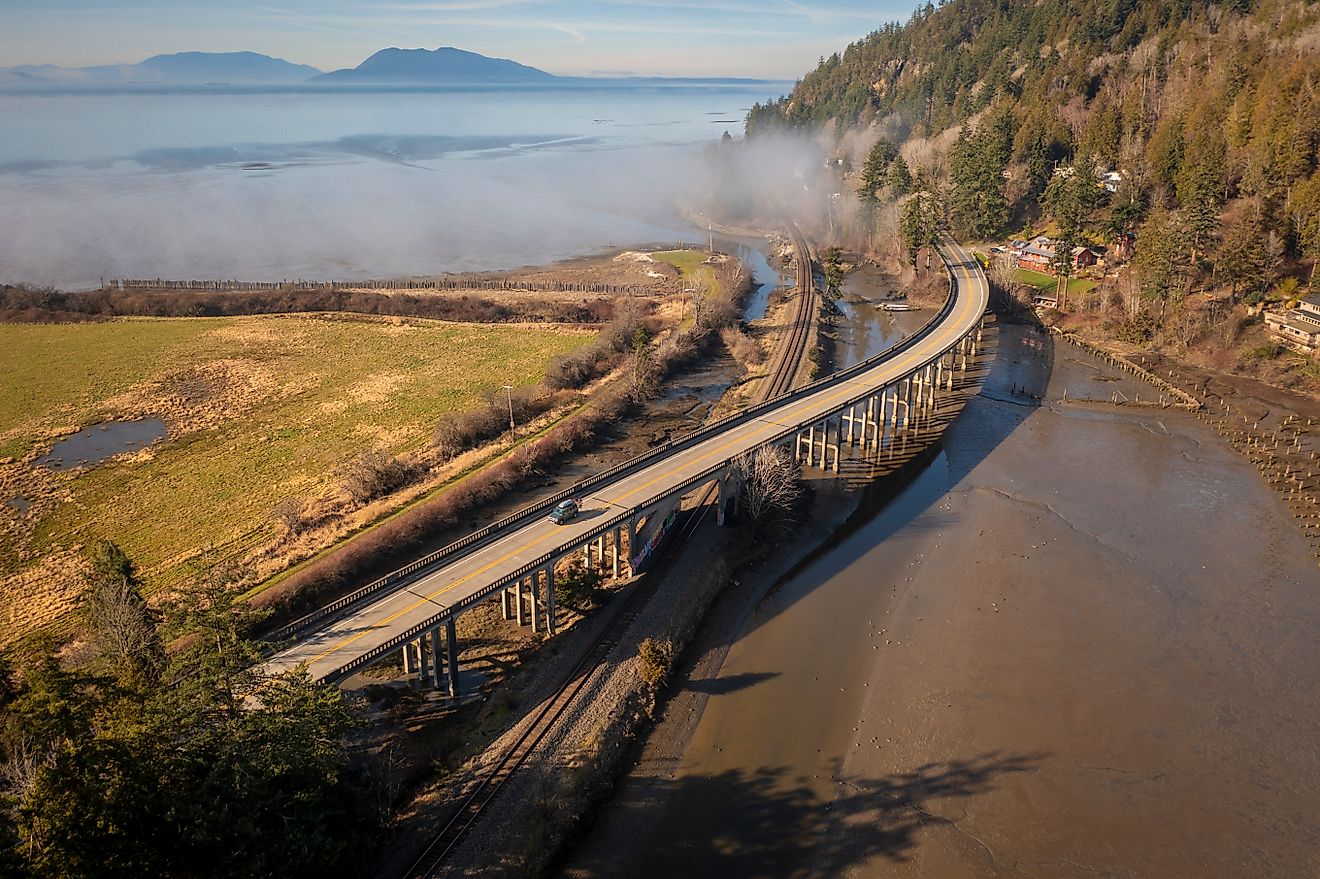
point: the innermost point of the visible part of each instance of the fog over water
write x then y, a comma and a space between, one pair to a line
345, 183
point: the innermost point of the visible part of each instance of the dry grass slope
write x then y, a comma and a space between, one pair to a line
258, 408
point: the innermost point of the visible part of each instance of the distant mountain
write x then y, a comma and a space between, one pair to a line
226, 67
183, 68
446, 65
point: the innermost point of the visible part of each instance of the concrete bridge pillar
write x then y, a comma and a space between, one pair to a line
423, 665
586, 555
727, 489
407, 658
506, 603
518, 602
616, 552
437, 658
532, 602
811, 445
838, 441
550, 599
918, 400
451, 656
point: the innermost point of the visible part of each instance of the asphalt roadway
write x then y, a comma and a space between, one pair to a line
467, 579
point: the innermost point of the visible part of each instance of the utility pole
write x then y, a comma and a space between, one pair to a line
508, 393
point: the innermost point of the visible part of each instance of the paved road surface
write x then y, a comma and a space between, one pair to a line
342, 641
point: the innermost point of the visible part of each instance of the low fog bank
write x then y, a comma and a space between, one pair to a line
350, 217
386, 206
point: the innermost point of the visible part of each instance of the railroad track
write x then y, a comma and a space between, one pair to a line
784, 368
549, 712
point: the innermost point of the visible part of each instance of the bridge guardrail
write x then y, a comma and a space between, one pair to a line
673, 445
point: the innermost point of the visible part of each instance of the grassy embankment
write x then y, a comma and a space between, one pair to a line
259, 409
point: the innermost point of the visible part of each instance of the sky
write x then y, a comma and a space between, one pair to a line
774, 39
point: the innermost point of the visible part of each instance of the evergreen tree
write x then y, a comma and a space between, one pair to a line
1305, 210
1242, 260
920, 222
1039, 166
1159, 259
876, 168
899, 178
978, 205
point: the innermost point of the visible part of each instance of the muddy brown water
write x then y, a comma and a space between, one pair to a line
1082, 642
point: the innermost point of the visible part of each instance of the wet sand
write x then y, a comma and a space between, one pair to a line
1082, 643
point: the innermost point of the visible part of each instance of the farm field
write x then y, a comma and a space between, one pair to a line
258, 410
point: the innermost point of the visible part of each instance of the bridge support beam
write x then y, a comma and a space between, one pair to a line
506, 603
532, 602
407, 658
838, 441
437, 659
616, 550
518, 603
451, 656
550, 599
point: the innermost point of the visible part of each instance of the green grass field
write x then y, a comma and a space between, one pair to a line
259, 409
1048, 283
691, 267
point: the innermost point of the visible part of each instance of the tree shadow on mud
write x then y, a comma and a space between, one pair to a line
733, 683
766, 823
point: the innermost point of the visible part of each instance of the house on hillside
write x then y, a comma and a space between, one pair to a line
1298, 327
1110, 181
1038, 254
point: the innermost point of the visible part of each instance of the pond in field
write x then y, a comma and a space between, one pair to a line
96, 443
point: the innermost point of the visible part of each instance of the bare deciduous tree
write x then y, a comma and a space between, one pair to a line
120, 622
770, 486
289, 513
375, 474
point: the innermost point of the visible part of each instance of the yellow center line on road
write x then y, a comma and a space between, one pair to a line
461, 580
742, 436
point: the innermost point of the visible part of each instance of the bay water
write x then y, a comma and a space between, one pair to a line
347, 183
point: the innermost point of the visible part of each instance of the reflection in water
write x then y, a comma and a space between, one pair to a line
864, 328
98, 442
766, 278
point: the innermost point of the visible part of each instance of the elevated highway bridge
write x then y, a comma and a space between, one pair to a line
866, 406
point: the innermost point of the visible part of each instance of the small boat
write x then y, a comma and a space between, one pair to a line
896, 305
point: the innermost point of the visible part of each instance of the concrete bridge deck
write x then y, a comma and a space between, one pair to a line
364, 634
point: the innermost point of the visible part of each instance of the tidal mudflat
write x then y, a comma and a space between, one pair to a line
1082, 642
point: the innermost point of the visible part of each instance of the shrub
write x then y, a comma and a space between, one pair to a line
656, 655
578, 587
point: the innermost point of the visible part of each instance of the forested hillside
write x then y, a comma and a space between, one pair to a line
1205, 116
